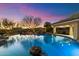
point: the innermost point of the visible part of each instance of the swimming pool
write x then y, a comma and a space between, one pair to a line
51, 45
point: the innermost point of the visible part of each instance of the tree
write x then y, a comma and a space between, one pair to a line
48, 27
37, 21
11, 24
27, 21
31, 21
0, 24
47, 24
6, 23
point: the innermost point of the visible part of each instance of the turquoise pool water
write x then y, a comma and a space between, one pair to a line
19, 45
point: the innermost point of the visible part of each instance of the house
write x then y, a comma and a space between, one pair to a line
69, 27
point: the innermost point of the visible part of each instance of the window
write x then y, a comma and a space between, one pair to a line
64, 30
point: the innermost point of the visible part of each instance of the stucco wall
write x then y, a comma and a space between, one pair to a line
74, 28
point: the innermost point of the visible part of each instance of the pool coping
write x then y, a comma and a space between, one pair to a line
67, 37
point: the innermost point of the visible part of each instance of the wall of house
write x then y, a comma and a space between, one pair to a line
74, 29
77, 30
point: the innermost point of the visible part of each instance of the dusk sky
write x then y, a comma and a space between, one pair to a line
47, 12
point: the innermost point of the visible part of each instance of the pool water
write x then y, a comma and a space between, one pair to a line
51, 45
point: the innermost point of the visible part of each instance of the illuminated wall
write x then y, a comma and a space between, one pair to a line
74, 28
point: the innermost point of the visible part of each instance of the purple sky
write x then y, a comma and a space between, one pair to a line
48, 12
